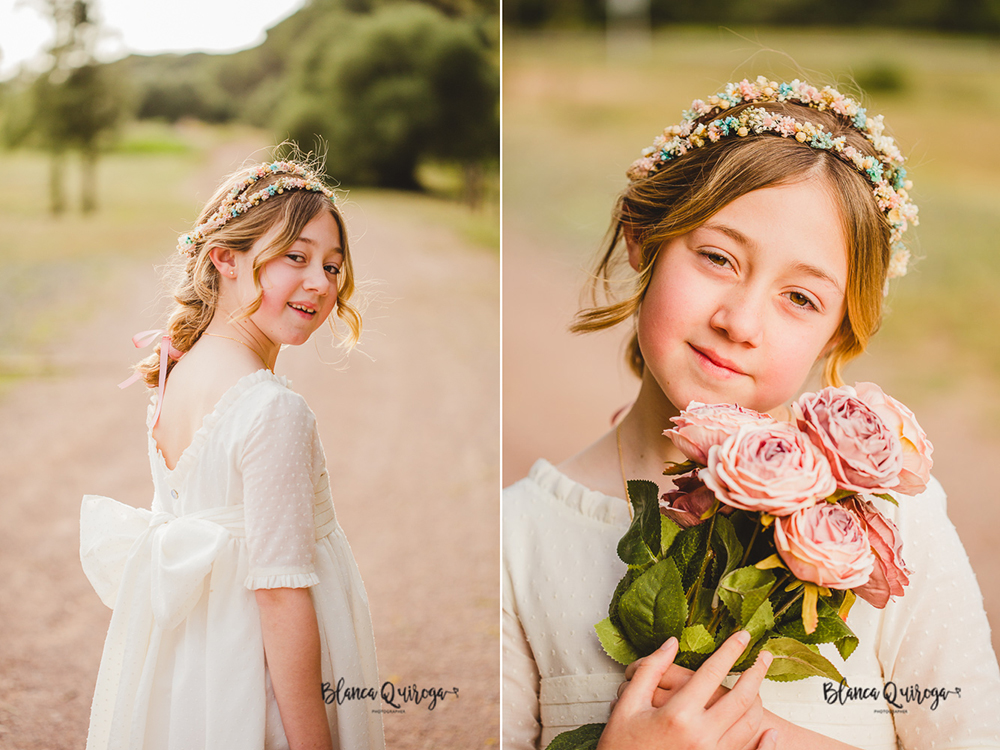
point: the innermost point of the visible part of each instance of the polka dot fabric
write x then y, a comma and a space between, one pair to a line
561, 567
279, 494
248, 505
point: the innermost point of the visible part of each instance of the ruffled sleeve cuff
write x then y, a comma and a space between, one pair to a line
281, 578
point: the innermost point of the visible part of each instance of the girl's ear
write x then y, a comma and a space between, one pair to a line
224, 260
633, 247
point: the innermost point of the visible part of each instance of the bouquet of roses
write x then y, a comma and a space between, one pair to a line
768, 530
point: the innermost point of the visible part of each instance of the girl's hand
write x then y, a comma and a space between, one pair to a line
693, 714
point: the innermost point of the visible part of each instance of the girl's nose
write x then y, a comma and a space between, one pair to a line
740, 316
316, 279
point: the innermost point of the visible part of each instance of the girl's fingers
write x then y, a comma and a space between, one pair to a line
630, 669
768, 740
638, 694
739, 709
704, 682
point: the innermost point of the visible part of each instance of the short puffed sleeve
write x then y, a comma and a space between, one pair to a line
279, 494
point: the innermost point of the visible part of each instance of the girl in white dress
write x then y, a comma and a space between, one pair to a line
753, 240
240, 619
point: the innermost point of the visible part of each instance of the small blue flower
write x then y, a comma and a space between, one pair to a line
861, 119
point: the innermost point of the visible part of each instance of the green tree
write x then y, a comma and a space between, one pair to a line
76, 103
392, 88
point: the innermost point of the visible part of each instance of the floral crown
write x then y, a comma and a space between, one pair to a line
885, 173
237, 202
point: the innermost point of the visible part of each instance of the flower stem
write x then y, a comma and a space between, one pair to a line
753, 538
795, 598
693, 593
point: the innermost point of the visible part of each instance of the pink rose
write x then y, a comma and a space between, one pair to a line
825, 544
686, 504
771, 468
917, 449
701, 426
863, 454
890, 574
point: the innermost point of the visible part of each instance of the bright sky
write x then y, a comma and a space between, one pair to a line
147, 26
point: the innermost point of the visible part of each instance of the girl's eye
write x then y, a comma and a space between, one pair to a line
335, 270
295, 256
800, 300
716, 259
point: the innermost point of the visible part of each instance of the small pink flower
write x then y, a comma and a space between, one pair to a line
890, 574
917, 449
826, 545
701, 426
771, 468
863, 454
687, 504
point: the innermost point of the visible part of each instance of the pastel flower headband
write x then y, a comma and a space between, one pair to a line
886, 172
237, 203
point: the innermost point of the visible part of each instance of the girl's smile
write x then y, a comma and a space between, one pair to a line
300, 286
739, 309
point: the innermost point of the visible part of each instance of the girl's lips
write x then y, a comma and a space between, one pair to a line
303, 313
716, 365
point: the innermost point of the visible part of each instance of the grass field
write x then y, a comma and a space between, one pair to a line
56, 270
577, 112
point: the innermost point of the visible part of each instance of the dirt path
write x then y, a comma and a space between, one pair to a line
410, 432
560, 391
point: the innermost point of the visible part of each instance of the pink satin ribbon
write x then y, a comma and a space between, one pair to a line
167, 352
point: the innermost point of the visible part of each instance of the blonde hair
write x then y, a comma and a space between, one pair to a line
689, 190
196, 290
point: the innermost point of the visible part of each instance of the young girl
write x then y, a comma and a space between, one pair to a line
757, 238
240, 619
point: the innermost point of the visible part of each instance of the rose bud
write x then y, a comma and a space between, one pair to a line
686, 505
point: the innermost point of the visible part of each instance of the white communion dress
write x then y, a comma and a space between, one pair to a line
561, 568
248, 506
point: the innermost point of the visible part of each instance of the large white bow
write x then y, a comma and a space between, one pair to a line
177, 550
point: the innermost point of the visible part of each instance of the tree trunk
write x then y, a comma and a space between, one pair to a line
472, 188
57, 193
88, 180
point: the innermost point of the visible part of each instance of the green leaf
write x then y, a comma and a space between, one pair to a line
653, 608
581, 738
668, 532
614, 642
696, 638
640, 545
887, 497
689, 549
744, 590
761, 620
673, 469
830, 629
730, 543
623, 585
795, 661
839, 495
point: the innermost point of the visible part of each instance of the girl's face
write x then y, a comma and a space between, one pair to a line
299, 286
738, 310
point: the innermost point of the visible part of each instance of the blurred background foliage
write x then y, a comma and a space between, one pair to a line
387, 86
400, 94
975, 16
579, 106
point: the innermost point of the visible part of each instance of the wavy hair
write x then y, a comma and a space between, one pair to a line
690, 189
196, 286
